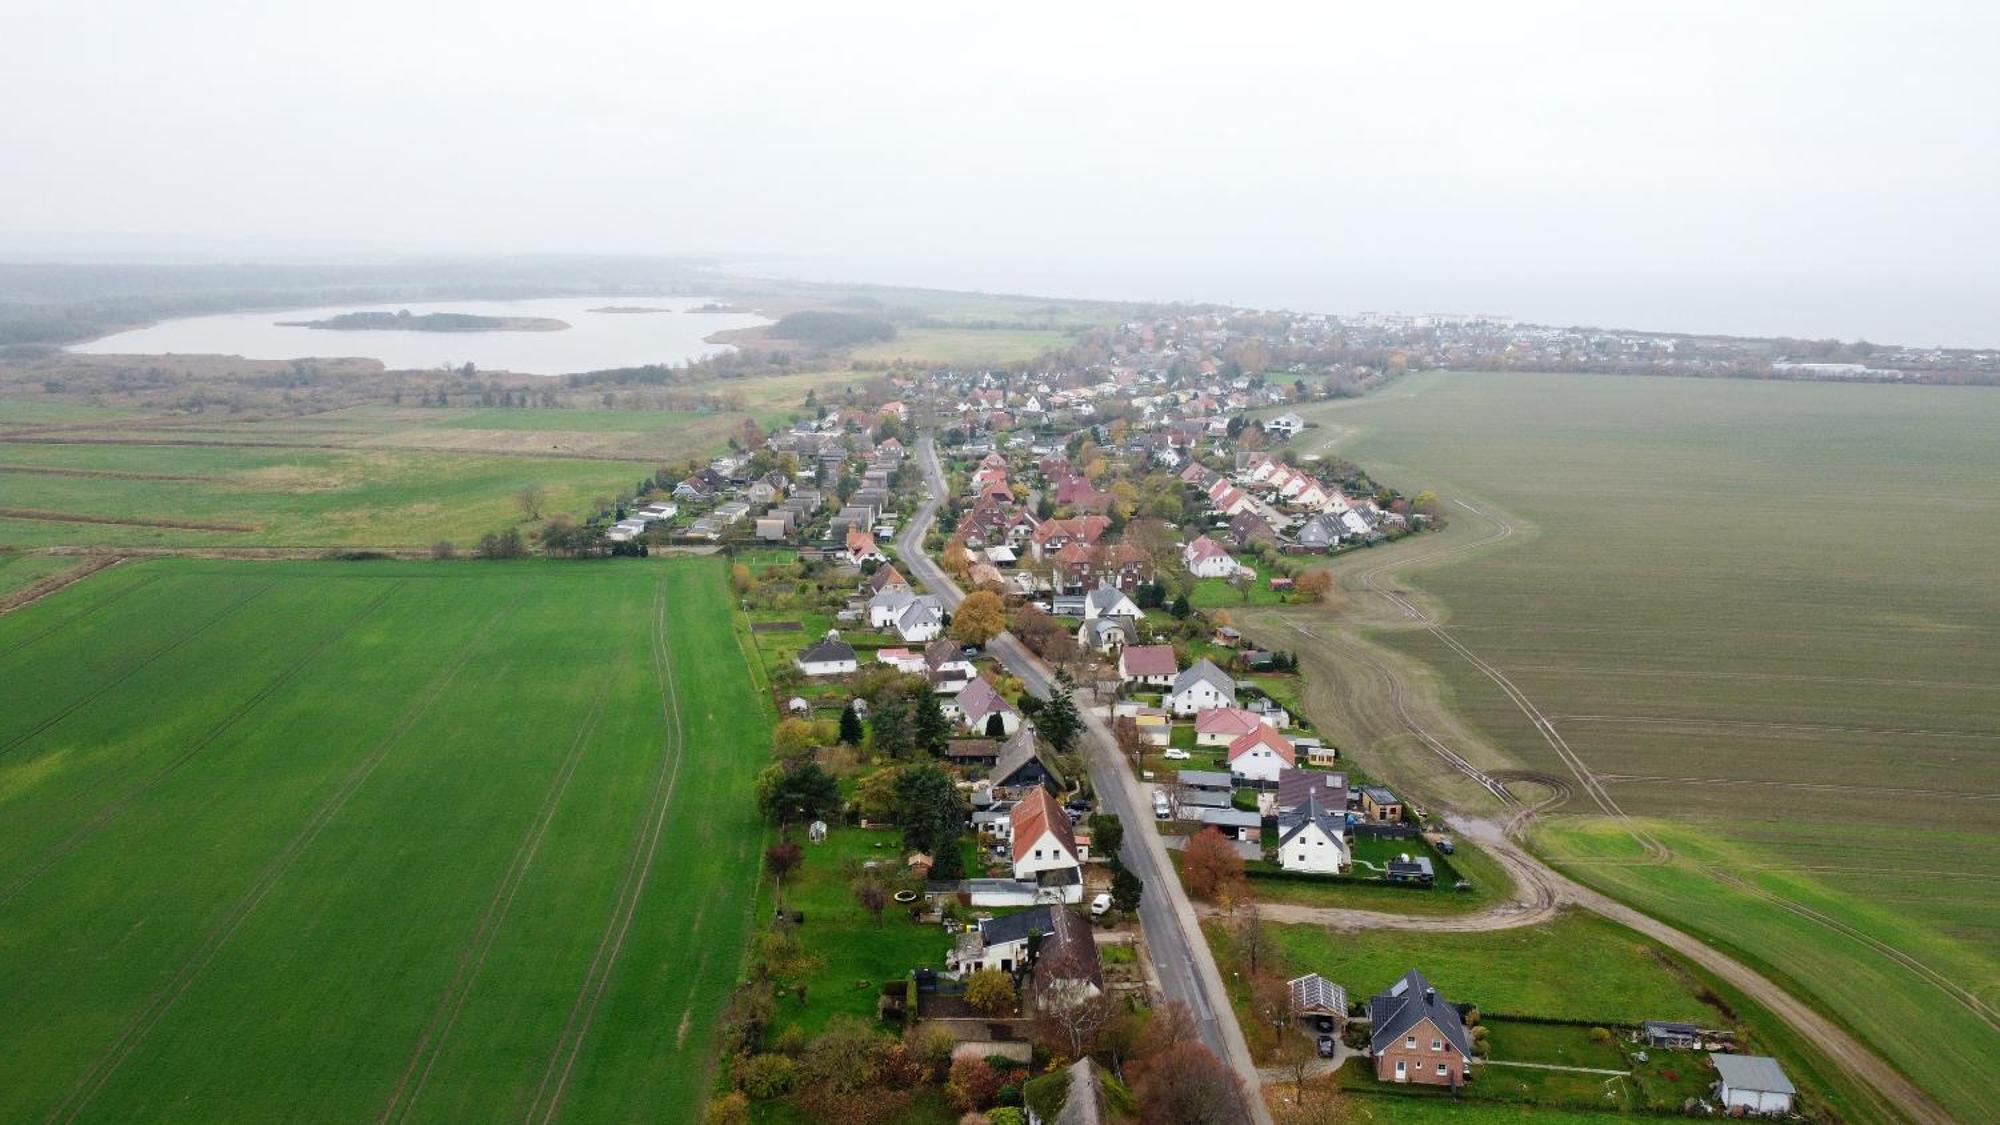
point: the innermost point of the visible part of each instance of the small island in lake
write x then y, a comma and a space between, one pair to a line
629, 309
403, 321
717, 307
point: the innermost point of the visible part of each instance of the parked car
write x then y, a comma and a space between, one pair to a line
1323, 1024
1176, 755
1100, 906
1446, 846
1326, 1046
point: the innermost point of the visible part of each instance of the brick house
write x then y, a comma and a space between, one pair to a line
1418, 1036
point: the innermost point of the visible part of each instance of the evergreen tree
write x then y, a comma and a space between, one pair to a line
894, 733
1126, 889
933, 730
850, 726
1181, 608
1060, 723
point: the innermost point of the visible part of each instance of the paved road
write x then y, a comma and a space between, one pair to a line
1186, 970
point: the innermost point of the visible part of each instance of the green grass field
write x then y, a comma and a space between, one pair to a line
365, 840
19, 569
1765, 615
965, 345
372, 476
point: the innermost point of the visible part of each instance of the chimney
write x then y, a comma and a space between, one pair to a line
1430, 996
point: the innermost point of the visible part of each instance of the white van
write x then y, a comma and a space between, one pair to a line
1100, 906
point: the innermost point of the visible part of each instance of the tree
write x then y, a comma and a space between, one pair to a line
1312, 586
850, 726
1180, 609
781, 859
980, 618
794, 793
932, 730
1187, 1085
793, 738
1256, 947
1068, 1026
991, 991
1107, 832
1132, 744
1213, 866
973, 1084
932, 813
739, 579
894, 732
727, 1109
875, 794
956, 561
1271, 1001
531, 498
1060, 723
871, 892
1126, 889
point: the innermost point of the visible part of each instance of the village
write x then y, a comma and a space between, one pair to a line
947, 866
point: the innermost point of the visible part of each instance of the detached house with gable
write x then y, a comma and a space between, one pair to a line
1203, 687
1418, 1036
1045, 849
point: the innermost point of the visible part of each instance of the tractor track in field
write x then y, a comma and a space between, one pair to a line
430, 1045
638, 872
1808, 786
1754, 726
94, 1077
34, 592
135, 669
41, 515
108, 814
79, 615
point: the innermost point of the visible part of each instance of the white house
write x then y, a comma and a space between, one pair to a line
999, 943
1285, 425
830, 657
1753, 1082
1205, 558
1224, 725
1110, 601
979, 705
1310, 839
902, 660
886, 608
1153, 665
1203, 687
1045, 850
861, 547
1260, 755
921, 621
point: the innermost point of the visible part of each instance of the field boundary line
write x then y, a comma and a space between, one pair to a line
44, 516
135, 669
94, 1077
79, 615
109, 813
430, 1046
1777, 727
638, 872
55, 583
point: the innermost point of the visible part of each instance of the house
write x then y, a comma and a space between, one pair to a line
1045, 850
901, 659
1083, 1101
972, 753
1066, 968
1248, 528
1753, 1083
1407, 869
1286, 425
1295, 786
1110, 601
1153, 665
1314, 995
830, 657
1259, 756
1310, 838
1318, 533
983, 710
1224, 725
1067, 605
1203, 687
1417, 1035
999, 944
886, 607
1670, 1036
1106, 634
1019, 764
922, 620
1205, 558
1380, 805
1156, 728
943, 659
885, 577
861, 548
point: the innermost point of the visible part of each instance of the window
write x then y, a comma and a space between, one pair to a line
1437, 1044
1410, 1042
1443, 1070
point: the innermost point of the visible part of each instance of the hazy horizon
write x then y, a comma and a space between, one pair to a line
1789, 169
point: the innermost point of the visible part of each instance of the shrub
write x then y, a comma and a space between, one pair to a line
1600, 1035
764, 1077
728, 1109
973, 1084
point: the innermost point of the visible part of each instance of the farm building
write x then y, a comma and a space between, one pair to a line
1754, 1083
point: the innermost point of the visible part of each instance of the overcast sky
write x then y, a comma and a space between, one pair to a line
1813, 167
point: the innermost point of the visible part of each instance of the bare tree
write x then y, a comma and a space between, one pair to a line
531, 497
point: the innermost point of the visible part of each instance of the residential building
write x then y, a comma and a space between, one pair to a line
1203, 687
1311, 840
984, 710
1224, 725
1205, 558
1258, 757
1152, 665
830, 657
1045, 849
1417, 1035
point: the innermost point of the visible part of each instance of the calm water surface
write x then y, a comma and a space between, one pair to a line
593, 340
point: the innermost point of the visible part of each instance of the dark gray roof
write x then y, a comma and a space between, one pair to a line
1014, 927
1752, 1072
1017, 752
1204, 669
1205, 799
1231, 817
1207, 779
1292, 822
831, 650
1409, 1002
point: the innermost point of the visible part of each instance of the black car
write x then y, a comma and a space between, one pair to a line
1323, 1024
1326, 1046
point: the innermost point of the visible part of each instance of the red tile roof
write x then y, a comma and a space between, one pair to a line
1263, 736
1038, 812
1232, 721
1150, 660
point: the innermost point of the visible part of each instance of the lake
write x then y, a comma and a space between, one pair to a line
593, 340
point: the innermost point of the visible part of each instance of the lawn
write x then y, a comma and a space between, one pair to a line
1685, 595
856, 953
345, 840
